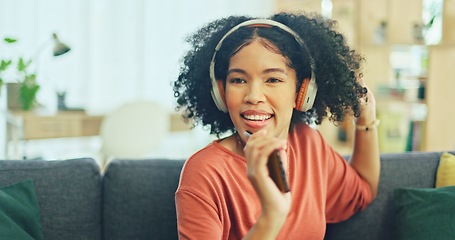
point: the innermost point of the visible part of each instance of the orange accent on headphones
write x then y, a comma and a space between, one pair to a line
262, 25
301, 96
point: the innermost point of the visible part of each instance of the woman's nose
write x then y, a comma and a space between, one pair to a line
255, 94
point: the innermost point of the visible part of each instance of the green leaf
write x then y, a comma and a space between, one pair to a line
22, 64
9, 40
30, 77
4, 65
27, 95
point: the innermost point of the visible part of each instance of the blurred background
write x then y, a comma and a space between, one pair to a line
118, 52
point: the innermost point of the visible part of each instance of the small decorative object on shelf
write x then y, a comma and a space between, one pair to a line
417, 32
380, 34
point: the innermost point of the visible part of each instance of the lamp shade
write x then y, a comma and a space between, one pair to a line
59, 47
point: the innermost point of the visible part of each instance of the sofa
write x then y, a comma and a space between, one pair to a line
134, 199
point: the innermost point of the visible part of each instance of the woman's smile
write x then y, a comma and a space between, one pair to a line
256, 120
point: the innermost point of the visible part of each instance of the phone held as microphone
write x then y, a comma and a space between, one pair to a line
276, 170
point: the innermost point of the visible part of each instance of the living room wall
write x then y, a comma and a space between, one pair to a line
121, 50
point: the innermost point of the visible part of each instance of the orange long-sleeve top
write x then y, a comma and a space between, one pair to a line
215, 199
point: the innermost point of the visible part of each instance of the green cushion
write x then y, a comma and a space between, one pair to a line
19, 212
426, 213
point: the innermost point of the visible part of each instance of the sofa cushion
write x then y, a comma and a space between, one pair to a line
68, 193
377, 221
446, 171
19, 212
425, 213
138, 199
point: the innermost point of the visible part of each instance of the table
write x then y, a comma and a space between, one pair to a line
30, 125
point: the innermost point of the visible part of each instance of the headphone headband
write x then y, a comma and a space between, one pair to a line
311, 87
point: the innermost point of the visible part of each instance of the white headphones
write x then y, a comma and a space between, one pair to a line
308, 89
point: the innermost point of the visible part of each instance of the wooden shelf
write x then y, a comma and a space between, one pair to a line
61, 124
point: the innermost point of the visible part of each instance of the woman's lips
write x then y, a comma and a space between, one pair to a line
256, 120
257, 117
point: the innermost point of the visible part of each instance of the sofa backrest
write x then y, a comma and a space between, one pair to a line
68, 193
138, 199
377, 222
135, 198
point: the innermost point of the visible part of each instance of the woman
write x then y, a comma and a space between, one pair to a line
264, 81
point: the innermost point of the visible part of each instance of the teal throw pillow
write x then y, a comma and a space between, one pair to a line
425, 213
19, 212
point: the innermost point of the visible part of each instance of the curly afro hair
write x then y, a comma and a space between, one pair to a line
336, 67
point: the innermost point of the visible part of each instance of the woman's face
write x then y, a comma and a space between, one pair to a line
260, 90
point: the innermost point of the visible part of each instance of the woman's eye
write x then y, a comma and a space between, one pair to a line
273, 80
237, 80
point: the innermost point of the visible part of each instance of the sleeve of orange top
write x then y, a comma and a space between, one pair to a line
196, 219
197, 211
347, 191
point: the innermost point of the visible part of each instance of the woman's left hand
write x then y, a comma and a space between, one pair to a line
367, 107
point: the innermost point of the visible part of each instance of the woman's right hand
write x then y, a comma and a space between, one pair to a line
275, 204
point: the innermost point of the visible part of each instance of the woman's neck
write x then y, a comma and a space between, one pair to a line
234, 143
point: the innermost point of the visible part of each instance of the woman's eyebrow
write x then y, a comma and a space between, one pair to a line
279, 70
268, 70
236, 70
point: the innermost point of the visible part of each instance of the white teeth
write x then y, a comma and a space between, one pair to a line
257, 117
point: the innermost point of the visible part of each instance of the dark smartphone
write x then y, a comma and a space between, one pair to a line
276, 171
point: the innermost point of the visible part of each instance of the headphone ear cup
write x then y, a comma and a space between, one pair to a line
218, 96
300, 100
306, 95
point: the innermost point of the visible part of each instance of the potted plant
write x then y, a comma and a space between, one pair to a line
23, 81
